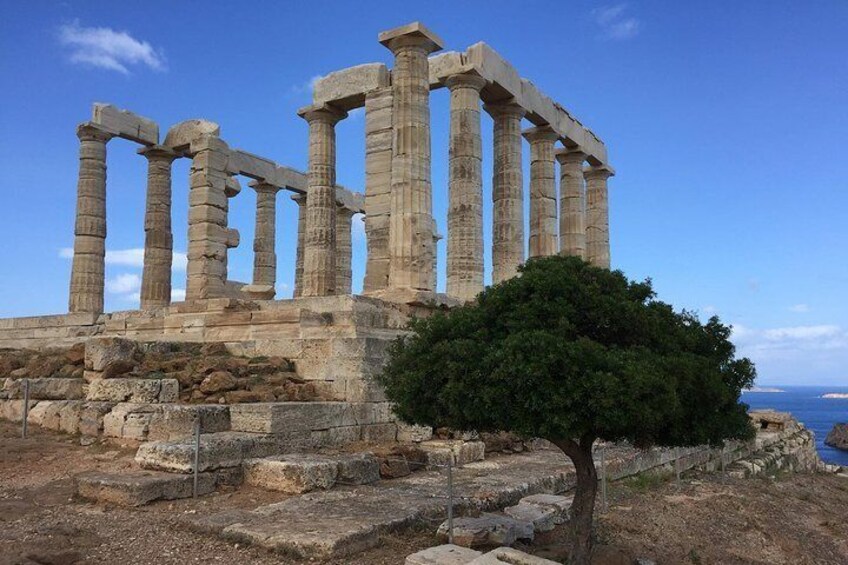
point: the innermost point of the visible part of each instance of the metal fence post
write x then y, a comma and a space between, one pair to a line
450, 499
196, 454
603, 479
24, 424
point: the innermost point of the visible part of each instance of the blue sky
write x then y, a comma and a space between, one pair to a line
726, 121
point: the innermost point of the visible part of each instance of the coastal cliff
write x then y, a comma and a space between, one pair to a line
838, 436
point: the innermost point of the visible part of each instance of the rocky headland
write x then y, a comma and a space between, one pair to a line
838, 436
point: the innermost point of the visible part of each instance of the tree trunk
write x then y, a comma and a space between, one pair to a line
582, 511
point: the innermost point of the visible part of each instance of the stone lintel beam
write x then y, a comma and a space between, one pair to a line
346, 89
125, 124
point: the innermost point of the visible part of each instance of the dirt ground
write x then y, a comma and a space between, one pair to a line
709, 519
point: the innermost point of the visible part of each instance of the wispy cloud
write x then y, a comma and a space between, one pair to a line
106, 48
615, 23
799, 308
124, 283
306, 87
133, 257
762, 342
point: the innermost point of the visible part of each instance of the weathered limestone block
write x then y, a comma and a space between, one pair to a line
292, 474
181, 135
487, 530
129, 421
447, 554
58, 415
46, 389
357, 469
125, 124
542, 518
91, 417
412, 433
561, 505
284, 417
175, 421
134, 390
141, 487
217, 451
510, 556
457, 452
346, 89
107, 357
411, 224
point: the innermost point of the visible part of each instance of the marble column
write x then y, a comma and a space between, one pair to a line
378, 184
265, 235
543, 202
158, 236
411, 205
344, 249
572, 215
301, 236
597, 216
507, 192
319, 259
88, 270
465, 189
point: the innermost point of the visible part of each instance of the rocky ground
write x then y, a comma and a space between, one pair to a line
705, 519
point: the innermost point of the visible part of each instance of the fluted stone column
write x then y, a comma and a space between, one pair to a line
597, 216
572, 218
378, 185
507, 192
543, 203
265, 235
301, 236
344, 249
158, 236
411, 222
319, 259
465, 190
88, 270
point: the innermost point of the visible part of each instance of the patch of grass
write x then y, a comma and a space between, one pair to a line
644, 482
694, 557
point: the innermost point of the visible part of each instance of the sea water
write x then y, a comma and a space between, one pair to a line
807, 405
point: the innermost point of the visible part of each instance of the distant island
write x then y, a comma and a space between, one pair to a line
835, 395
763, 389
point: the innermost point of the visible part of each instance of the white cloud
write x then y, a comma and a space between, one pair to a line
124, 283
106, 48
799, 308
614, 22
307, 86
133, 257
358, 227
178, 294
792, 339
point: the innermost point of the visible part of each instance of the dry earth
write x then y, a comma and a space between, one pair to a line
710, 519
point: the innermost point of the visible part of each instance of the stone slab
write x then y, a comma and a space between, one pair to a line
346, 89
141, 487
447, 554
293, 473
134, 390
510, 556
124, 123
46, 388
487, 530
287, 417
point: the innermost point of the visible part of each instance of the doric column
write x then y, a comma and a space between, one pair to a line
343, 250
265, 235
411, 208
88, 270
319, 258
543, 203
301, 236
597, 216
378, 184
158, 237
465, 190
507, 192
208, 234
572, 218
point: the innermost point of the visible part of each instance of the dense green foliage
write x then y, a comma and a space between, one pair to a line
567, 350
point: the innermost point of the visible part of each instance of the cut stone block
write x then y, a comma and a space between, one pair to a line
447, 554
141, 487
286, 417
176, 421
357, 469
560, 504
292, 474
134, 390
457, 452
510, 556
487, 530
346, 88
543, 518
109, 356
129, 421
125, 124
91, 417
46, 389
217, 451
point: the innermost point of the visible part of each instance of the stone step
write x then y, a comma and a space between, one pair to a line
129, 420
544, 511
447, 554
509, 556
141, 487
487, 530
53, 388
218, 450
134, 390
286, 417
297, 473
335, 523
456, 451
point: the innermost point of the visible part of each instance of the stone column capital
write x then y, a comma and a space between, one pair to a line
87, 131
324, 114
158, 153
264, 186
540, 133
411, 36
466, 80
506, 108
299, 198
570, 156
601, 172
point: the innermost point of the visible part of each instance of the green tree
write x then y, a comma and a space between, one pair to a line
572, 353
